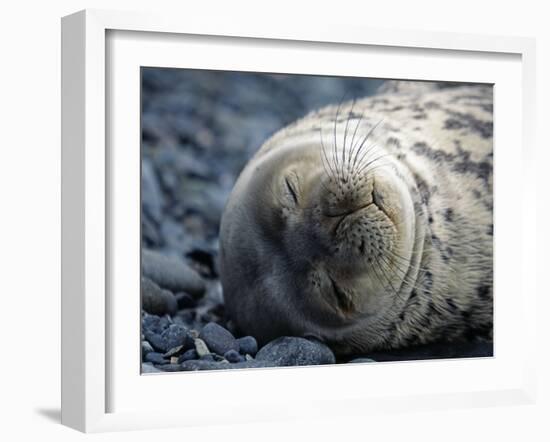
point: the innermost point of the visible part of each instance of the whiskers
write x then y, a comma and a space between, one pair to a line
349, 164
349, 159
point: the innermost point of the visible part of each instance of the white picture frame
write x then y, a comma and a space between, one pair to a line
92, 371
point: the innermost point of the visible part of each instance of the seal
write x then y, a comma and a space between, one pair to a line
369, 224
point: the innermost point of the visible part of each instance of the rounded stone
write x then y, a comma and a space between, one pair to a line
149, 368
155, 358
201, 348
292, 351
188, 355
248, 345
195, 365
361, 360
155, 300
233, 356
218, 339
176, 335
145, 348
172, 273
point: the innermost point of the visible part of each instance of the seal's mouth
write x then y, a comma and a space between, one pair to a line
342, 216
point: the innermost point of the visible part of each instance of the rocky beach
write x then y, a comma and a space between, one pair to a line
199, 128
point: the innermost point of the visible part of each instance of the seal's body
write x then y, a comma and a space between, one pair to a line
367, 225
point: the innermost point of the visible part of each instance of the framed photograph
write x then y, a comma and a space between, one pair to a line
250, 212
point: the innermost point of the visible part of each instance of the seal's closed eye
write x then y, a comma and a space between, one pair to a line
291, 190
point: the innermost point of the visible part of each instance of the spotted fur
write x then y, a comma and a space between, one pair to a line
444, 137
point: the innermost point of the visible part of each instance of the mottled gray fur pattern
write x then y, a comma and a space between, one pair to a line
443, 138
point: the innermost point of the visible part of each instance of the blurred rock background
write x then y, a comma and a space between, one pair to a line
199, 128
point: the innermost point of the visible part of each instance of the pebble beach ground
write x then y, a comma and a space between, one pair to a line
199, 128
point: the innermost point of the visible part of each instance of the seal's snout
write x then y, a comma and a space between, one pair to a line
340, 198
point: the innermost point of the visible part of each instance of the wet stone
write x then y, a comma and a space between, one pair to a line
176, 335
172, 273
218, 339
188, 355
292, 351
233, 356
155, 300
149, 368
361, 360
170, 367
145, 348
201, 348
195, 365
248, 345
155, 358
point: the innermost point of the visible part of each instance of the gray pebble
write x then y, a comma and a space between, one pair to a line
202, 349
149, 368
155, 300
233, 356
360, 360
170, 367
153, 323
155, 358
175, 351
151, 196
145, 348
292, 351
218, 339
195, 365
172, 273
251, 364
248, 345
156, 341
188, 355
176, 335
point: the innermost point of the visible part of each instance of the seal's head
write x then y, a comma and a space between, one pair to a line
317, 237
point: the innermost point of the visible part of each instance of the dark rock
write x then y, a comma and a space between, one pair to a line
360, 360
155, 358
248, 345
250, 364
185, 300
195, 365
291, 351
218, 358
149, 368
188, 355
175, 351
218, 339
153, 323
233, 356
155, 300
170, 367
151, 196
156, 341
176, 335
171, 273
208, 357
145, 349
